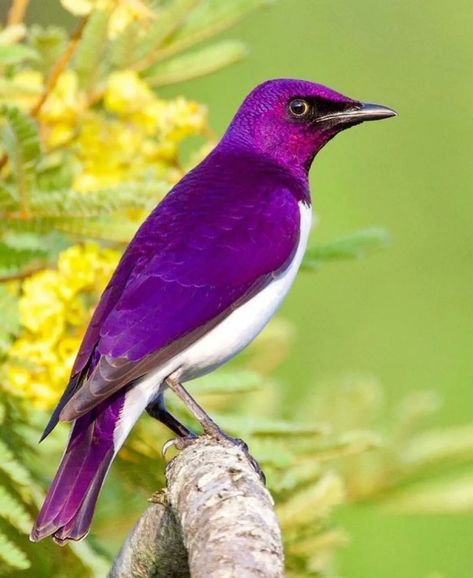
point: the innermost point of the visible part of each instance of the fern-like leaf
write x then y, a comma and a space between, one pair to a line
69, 203
14, 260
11, 557
10, 317
11, 54
12, 468
353, 246
12, 510
90, 51
117, 229
21, 137
196, 64
208, 19
167, 21
48, 43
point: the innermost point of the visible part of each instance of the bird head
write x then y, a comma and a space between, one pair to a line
291, 120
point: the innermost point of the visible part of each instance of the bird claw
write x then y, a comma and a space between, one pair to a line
216, 433
179, 443
255, 465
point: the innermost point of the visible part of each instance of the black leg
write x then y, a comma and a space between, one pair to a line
157, 409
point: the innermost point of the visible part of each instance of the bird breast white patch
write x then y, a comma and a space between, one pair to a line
220, 344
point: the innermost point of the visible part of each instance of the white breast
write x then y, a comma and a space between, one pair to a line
220, 344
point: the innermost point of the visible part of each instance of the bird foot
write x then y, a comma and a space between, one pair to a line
179, 443
213, 431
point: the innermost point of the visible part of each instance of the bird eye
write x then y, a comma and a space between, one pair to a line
299, 108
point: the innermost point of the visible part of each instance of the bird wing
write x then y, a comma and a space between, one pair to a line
197, 257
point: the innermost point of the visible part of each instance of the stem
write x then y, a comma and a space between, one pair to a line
60, 65
17, 11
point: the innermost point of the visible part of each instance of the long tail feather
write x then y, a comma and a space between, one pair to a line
67, 511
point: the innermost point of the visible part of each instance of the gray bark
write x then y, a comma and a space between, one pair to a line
214, 520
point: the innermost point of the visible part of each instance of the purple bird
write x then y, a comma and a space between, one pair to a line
201, 278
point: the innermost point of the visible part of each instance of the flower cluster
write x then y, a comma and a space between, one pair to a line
123, 12
104, 135
140, 138
55, 306
135, 137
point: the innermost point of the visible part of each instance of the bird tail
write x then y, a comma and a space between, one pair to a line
69, 506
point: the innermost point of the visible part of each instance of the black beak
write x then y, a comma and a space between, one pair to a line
372, 112
364, 111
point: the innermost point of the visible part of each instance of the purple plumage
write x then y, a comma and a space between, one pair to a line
200, 279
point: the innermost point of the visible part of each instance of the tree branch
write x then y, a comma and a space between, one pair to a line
215, 518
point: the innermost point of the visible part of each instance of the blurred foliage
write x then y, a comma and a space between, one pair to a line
347, 446
88, 146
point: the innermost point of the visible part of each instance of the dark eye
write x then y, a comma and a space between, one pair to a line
299, 108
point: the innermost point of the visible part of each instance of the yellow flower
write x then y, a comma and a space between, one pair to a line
78, 7
55, 306
27, 86
126, 93
74, 271
126, 12
122, 12
65, 101
40, 306
61, 109
181, 118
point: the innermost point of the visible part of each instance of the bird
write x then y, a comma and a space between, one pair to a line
203, 275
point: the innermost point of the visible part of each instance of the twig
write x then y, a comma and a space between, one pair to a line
23, 274
215, 518
17, 11
59, 67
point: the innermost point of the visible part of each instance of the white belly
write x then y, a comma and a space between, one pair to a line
224, 341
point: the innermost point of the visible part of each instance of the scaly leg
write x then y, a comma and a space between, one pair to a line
208, 424
157, 409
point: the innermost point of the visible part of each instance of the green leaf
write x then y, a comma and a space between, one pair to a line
207, 20
117, 229
90, 51
10, 317
124, 47
12, 89
49, 43
11, 54
264, 427
70, 203
453, 496
228, 381
13, 512
195, 64
7, 196
167, 21
11, 557
21, 138
55, 172
13, 469
353, 246
14, 259
93, 561
313, 502
439, 447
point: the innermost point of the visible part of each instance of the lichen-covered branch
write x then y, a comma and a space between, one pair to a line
215, 518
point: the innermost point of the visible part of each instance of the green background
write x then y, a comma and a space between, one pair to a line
403, 315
